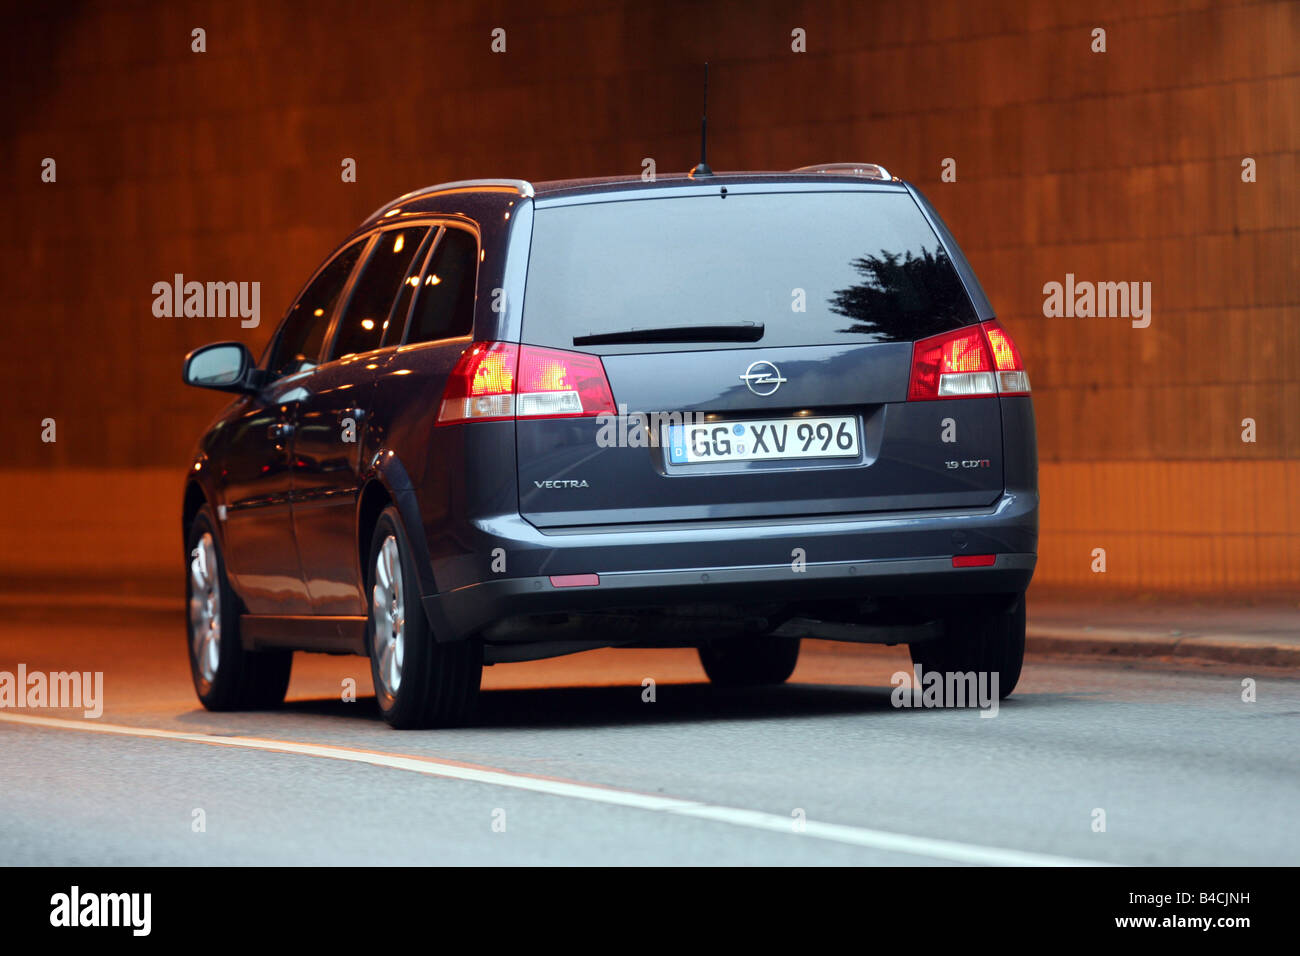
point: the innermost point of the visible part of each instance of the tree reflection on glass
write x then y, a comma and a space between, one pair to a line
903, 296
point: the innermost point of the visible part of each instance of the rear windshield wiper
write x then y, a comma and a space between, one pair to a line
730, 332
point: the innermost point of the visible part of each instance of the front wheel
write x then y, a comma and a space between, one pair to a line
983, 641
419, 681
226, 677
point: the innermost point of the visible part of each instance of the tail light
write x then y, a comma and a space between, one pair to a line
1012, 377
498, 381
482, 385
973, 361
557, 384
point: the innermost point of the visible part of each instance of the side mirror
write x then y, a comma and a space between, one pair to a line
224, 366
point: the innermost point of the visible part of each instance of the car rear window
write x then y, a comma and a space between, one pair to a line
814, 268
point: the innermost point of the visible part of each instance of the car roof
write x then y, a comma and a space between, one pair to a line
597, 184
432, 199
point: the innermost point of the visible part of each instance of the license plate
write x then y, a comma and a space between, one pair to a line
762, 440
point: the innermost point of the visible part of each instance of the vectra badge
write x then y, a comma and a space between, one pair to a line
763, 378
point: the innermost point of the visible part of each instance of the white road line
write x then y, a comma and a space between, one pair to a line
431, 766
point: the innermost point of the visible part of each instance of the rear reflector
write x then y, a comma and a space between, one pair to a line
496, 381
974, 560
575, 580
965, 363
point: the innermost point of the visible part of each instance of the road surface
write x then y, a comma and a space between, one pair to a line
571, 764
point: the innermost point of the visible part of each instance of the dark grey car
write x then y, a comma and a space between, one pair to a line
506, 421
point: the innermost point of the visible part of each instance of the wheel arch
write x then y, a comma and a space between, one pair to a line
388, 484
195, 498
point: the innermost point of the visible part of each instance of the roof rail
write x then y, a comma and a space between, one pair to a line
865, 170
521, 186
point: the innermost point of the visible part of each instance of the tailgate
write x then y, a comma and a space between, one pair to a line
790, 397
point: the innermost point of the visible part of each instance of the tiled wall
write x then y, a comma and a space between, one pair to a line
1115, 166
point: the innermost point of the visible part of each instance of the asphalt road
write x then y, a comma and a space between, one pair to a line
570, 765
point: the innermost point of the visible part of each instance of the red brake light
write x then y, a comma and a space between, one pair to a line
1012, 377
969, 362
952, 365
559, 384
1005, 356
482, 385
496, 381
964, 354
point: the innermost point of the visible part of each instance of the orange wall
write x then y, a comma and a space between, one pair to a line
1205, 526
1122, 166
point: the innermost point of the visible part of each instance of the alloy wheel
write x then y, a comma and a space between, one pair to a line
388, 602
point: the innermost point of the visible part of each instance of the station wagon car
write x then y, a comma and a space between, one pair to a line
507, 420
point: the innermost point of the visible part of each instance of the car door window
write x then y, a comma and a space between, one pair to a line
303, 333
365, 317
444, 307
402, 307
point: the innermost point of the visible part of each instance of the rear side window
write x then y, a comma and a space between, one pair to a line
409, 285
444, 305
815, 268
303, 332
365, 317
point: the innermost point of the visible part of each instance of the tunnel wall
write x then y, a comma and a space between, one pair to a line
1118, 166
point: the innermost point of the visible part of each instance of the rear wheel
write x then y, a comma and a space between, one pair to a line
750, 661
419, 681
226, 677
988, 641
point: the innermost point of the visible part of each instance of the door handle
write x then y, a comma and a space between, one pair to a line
356, 414
280, 430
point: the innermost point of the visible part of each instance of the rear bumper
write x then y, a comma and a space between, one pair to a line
842, 557
465, 610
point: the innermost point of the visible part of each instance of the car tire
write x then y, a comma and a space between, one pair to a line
750, 661
225, 675
419, 681
991, 641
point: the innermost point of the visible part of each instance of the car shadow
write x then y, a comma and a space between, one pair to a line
581, 707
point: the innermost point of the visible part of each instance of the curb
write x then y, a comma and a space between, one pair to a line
1224, 648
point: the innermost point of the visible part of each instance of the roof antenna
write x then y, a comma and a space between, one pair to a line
702, 167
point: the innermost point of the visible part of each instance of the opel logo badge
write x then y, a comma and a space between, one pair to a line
763, 378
